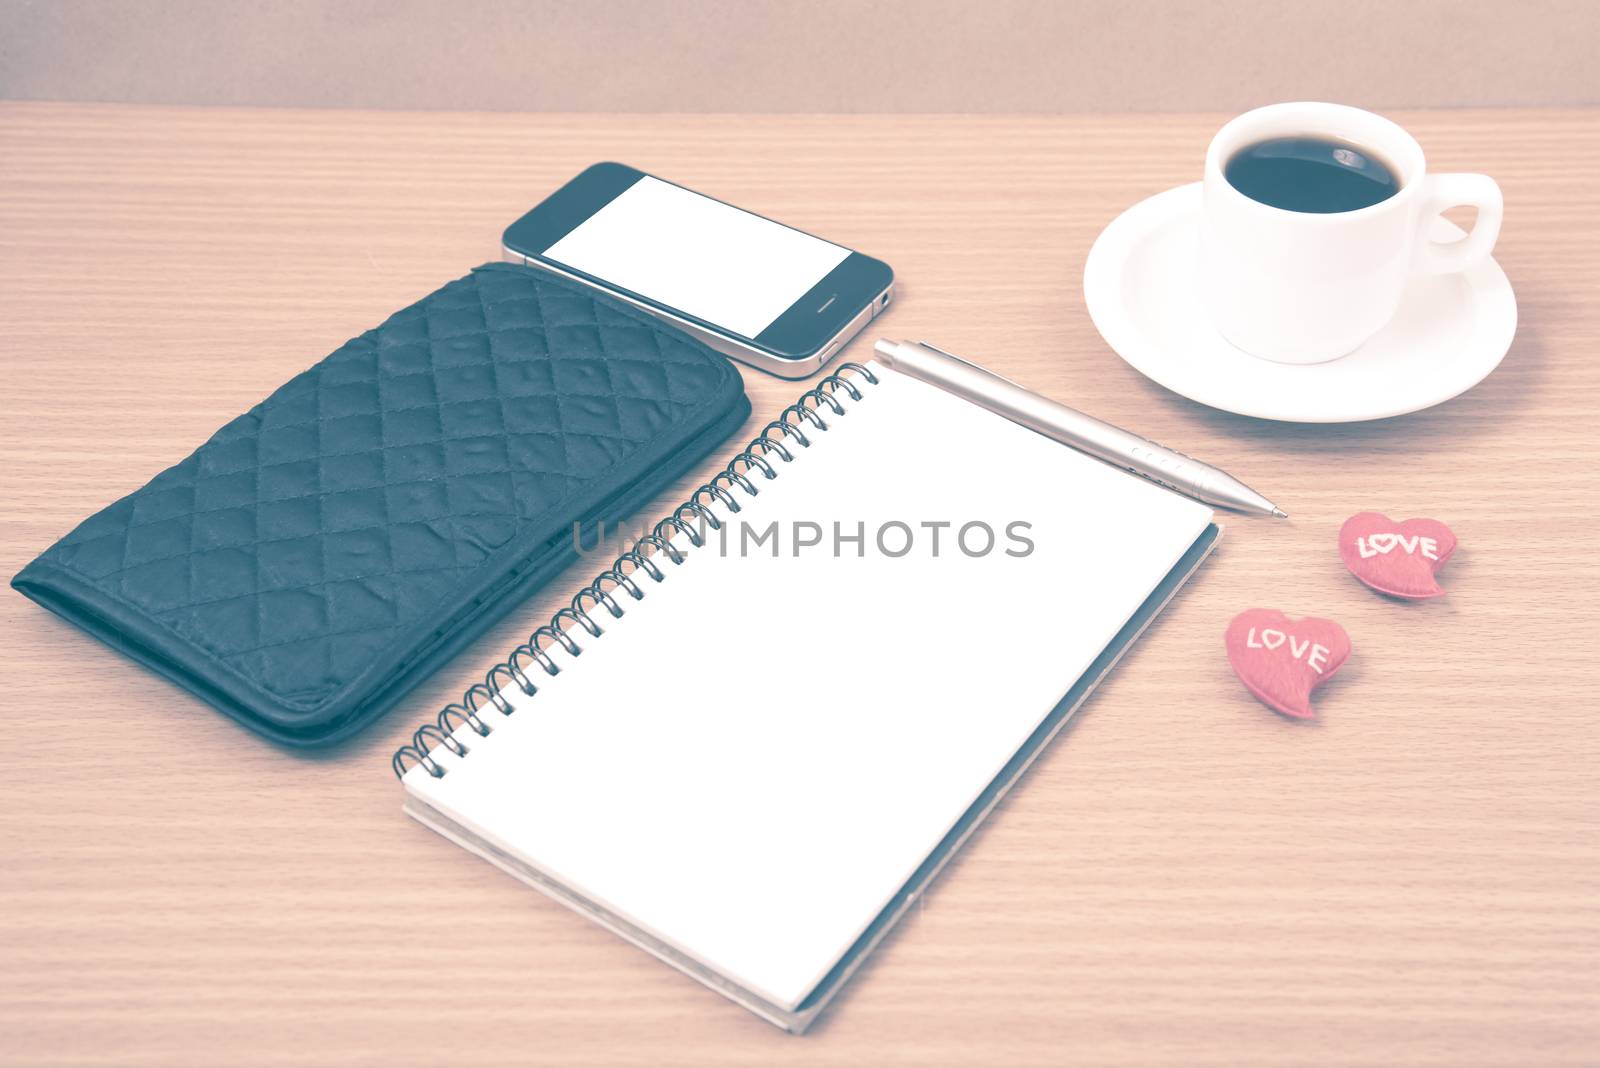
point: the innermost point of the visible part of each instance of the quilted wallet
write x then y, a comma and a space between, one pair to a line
325, 551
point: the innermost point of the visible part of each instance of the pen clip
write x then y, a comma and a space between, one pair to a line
969, 363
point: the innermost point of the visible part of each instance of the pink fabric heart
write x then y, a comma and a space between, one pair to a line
1399, 559
1282, 660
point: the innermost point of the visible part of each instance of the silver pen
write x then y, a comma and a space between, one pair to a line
1085, 433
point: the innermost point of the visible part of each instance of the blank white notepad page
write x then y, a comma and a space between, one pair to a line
752, 761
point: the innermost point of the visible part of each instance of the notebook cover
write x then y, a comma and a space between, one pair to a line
797, 1020
325, 551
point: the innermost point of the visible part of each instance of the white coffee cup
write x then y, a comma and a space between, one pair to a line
1299, 287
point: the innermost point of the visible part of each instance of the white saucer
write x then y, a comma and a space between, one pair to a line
1139, 282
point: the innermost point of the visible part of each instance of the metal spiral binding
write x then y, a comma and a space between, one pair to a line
776, 438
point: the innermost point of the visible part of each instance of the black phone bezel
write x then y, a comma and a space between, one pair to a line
802, 331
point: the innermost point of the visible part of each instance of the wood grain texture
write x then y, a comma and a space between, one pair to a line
1184, 878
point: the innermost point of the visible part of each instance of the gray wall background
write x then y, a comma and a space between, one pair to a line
817, 56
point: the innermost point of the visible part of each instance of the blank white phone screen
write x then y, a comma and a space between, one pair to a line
689, 252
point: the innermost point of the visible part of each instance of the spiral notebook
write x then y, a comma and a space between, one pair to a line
755, 739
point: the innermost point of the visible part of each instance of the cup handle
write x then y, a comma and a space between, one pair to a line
1444, 191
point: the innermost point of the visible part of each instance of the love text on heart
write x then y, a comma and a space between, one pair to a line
1382, 544
1315, 654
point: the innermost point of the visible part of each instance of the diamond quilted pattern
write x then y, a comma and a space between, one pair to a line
370, 498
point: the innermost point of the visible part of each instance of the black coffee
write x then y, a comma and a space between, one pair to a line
1312, 174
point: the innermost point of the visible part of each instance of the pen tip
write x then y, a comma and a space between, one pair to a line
1279, 512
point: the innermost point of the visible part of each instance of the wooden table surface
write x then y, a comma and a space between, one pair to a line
1183, 879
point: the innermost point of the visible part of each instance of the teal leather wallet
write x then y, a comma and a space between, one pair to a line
328, 549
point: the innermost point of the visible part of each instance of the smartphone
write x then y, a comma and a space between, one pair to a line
764, 293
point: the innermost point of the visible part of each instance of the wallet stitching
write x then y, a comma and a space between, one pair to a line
224, 661
287, 698
337, 455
